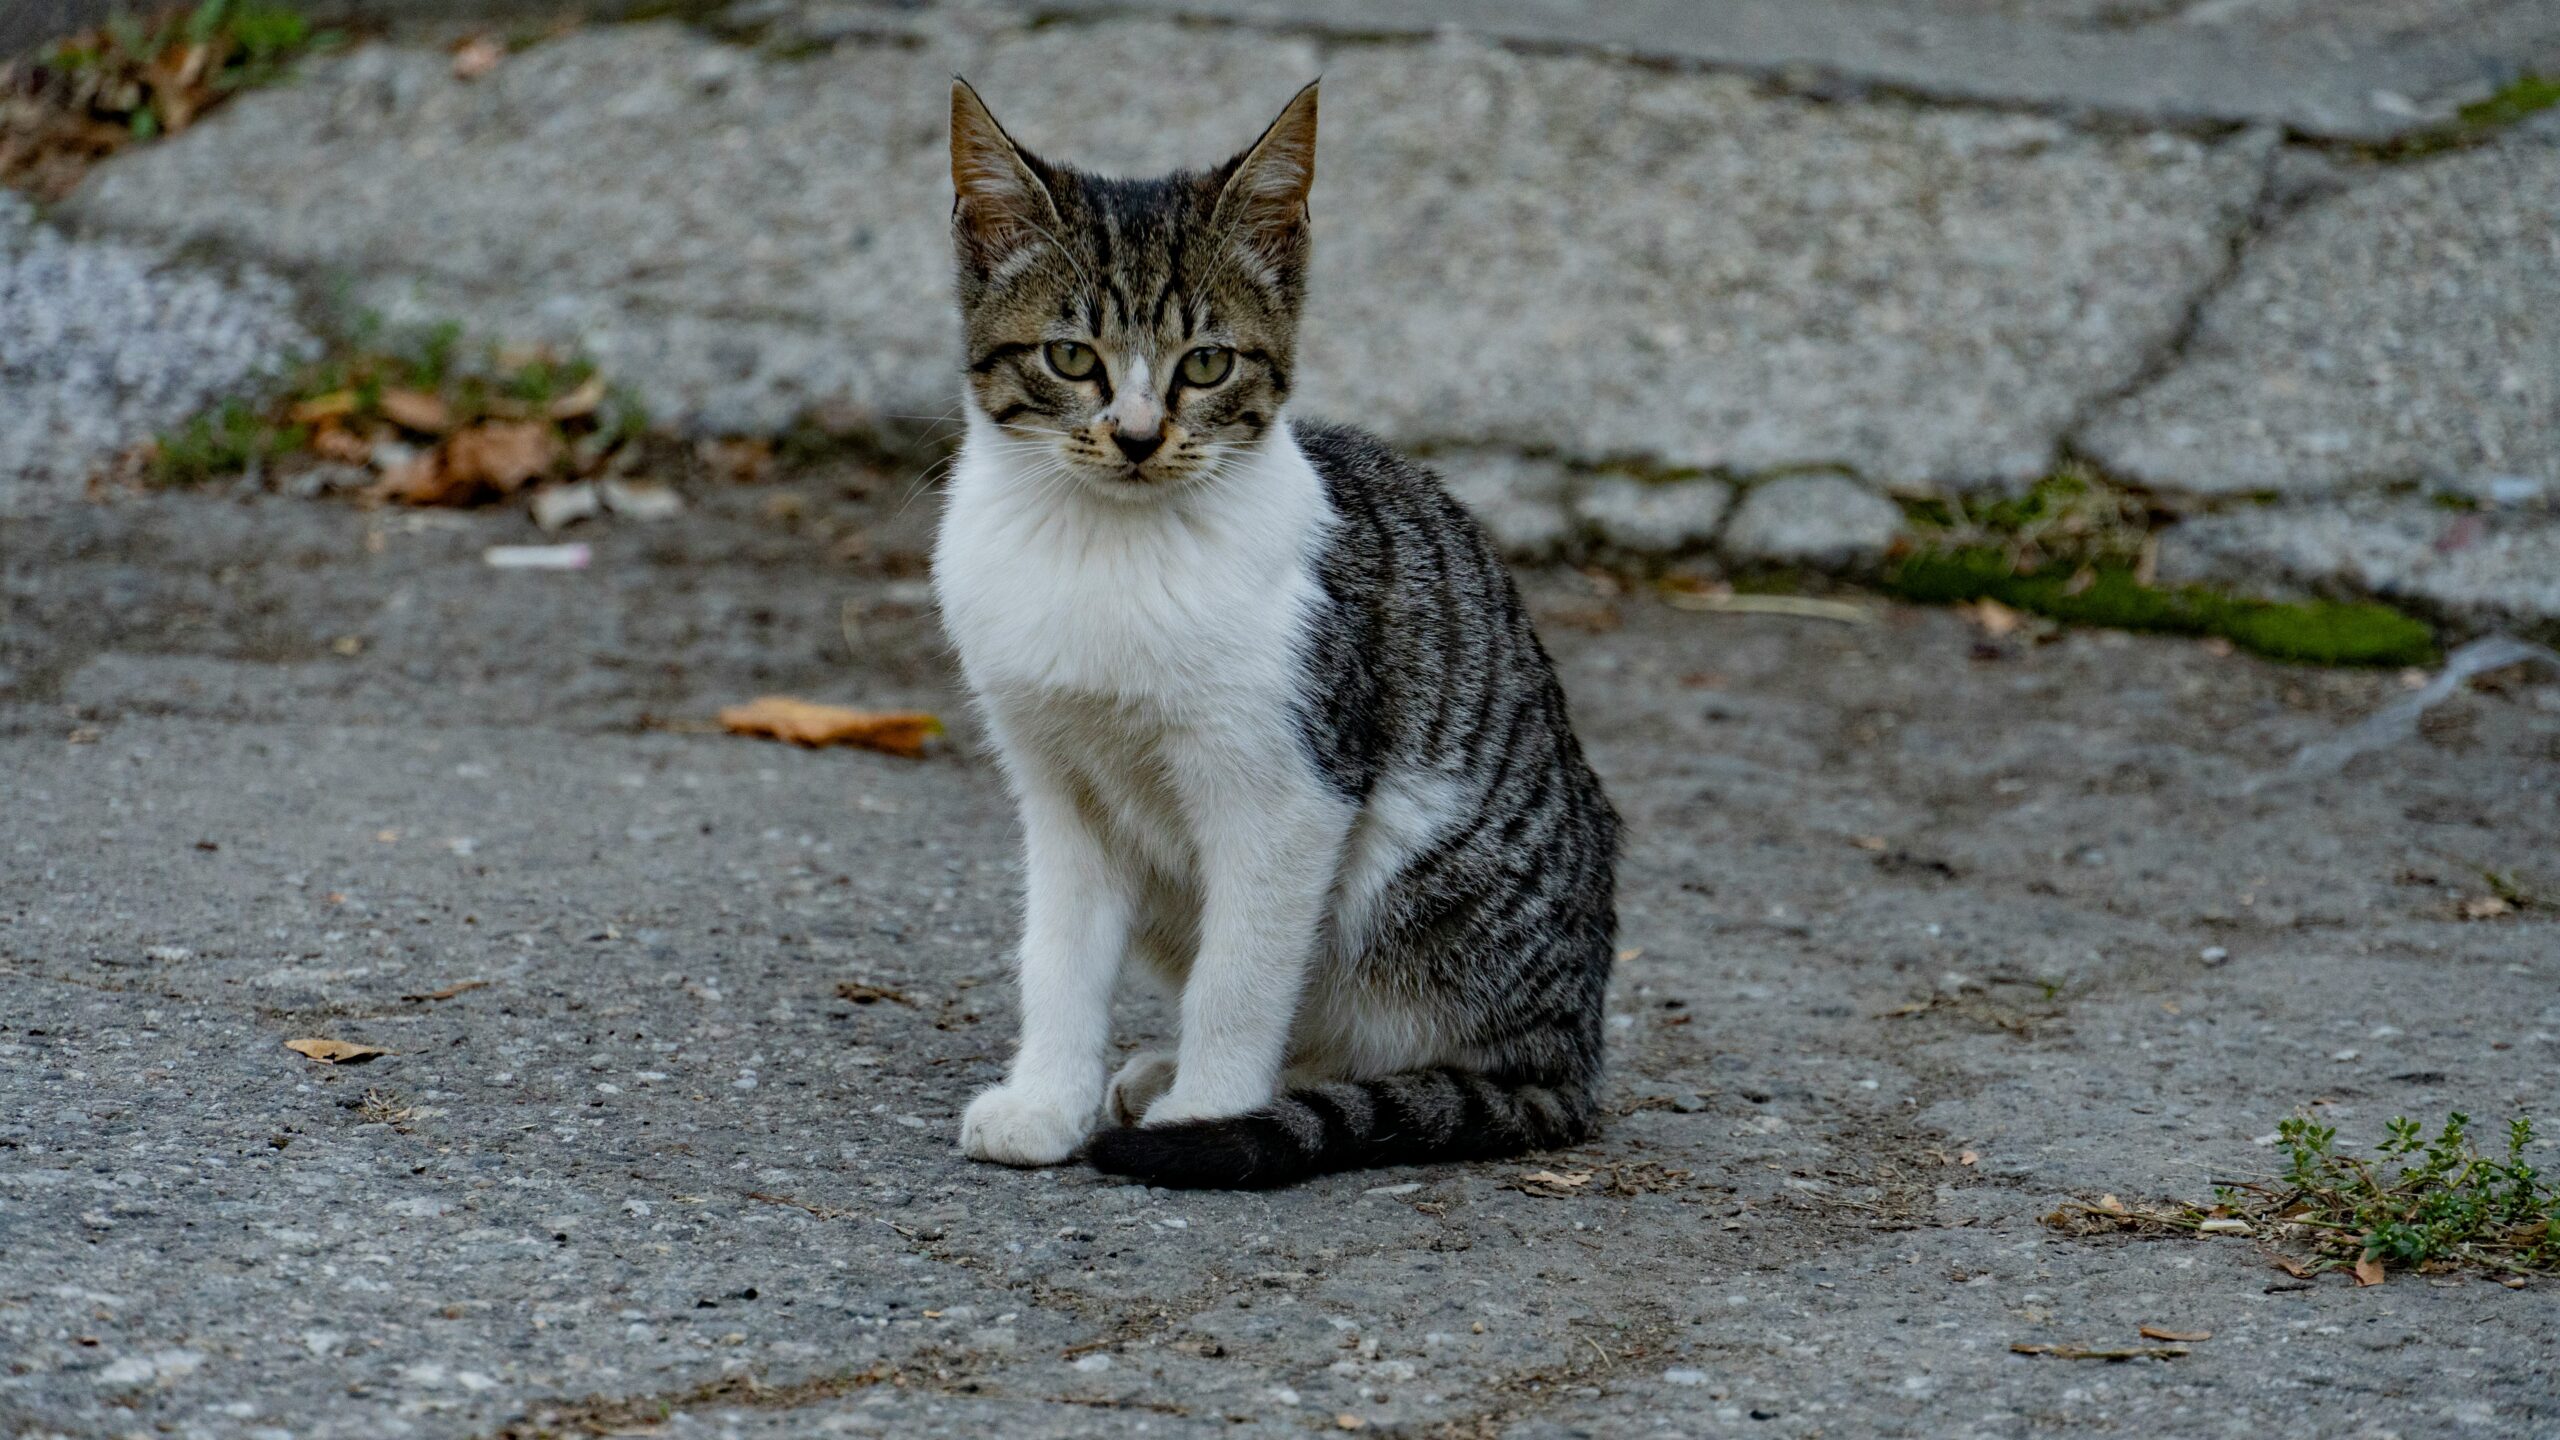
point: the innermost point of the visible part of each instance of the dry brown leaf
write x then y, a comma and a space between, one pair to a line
461, 987
581, 402
801, 722
347, 448
2485, 907
2183, 1337
2090, 1352
1549, 1184
862, 994
420, 480
334, 1052
502, 454
417, 410
1970, 1157
2296, 1268
1995, 619
476, 57
332, 406
2368, 1271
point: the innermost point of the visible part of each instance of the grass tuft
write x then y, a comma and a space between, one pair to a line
2420, 1202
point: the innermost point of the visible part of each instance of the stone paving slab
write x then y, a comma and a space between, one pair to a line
2123, 974
101, 344
2405, 331
2361, 69
2494, 569
1925, 297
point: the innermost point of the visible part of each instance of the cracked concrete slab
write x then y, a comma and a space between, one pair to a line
2364, 70
2404, 331
1926, 297
657, 1169
2491, 568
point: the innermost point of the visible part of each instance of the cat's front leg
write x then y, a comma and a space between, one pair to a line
1076, 925
1269, 837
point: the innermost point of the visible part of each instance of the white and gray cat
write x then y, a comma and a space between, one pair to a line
1278, 726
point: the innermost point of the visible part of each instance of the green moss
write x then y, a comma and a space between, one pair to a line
2318, 632
224, 441
2523, 96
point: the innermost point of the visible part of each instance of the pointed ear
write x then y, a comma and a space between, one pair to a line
1265, 199
999, 199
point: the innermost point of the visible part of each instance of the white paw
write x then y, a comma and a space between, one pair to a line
1020, 1127
1139, 1084
1177, 1107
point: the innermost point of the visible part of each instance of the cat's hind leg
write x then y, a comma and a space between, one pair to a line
1139, 1084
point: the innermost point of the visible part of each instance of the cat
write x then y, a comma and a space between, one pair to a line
1273, 714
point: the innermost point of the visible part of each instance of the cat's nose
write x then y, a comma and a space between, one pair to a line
1138, 447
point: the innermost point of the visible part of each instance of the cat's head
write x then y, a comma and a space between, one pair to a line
1129, 334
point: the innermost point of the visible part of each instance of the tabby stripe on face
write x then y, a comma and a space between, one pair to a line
1279, 374
995, 355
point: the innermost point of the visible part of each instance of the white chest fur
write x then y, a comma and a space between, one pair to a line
1186, 606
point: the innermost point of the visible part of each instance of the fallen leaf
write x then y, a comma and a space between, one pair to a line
1867, 842
324, 407
334, 1052
800, 722
2087, 1352
502, 454
1349, 1422
2184, 1337
1994, 619
1549, 1184
2369, 1271
329, 442
580, 403
2224, 1226
416, 410
476, 57
2296, 1268
2111, 1205
461, 987
2485, 907
863, 994
1970, 1157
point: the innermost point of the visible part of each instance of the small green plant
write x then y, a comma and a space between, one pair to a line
2523, 96
230, 439
2110, 593
2420, 1202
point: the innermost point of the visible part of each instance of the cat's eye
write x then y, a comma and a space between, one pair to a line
1070, 359
1207, 365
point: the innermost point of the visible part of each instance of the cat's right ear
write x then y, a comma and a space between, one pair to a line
999, 201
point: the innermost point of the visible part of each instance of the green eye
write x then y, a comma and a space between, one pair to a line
1068, 358
1207, 365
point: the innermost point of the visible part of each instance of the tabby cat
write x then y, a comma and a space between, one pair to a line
1276, 722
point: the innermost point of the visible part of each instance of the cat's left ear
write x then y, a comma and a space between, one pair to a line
1265, 197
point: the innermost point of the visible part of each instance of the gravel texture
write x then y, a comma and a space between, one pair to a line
2406, 330
103, 342
1926, 296
657, 1151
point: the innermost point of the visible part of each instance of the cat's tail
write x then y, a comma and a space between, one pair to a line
1404, 1119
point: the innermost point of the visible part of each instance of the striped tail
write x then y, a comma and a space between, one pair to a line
1404, 1119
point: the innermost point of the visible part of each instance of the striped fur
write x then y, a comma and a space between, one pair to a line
1277, 720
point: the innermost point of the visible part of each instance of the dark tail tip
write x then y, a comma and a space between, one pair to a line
1248, 1152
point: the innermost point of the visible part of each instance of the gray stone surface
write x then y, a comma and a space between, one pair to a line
104, 342
2490, 568
2358, 69
1523, 501
1825, 521
1653, 517
1925, 296
2078, 959
2404, 330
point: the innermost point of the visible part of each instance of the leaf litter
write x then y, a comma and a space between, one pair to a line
811, 725
335, 1052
